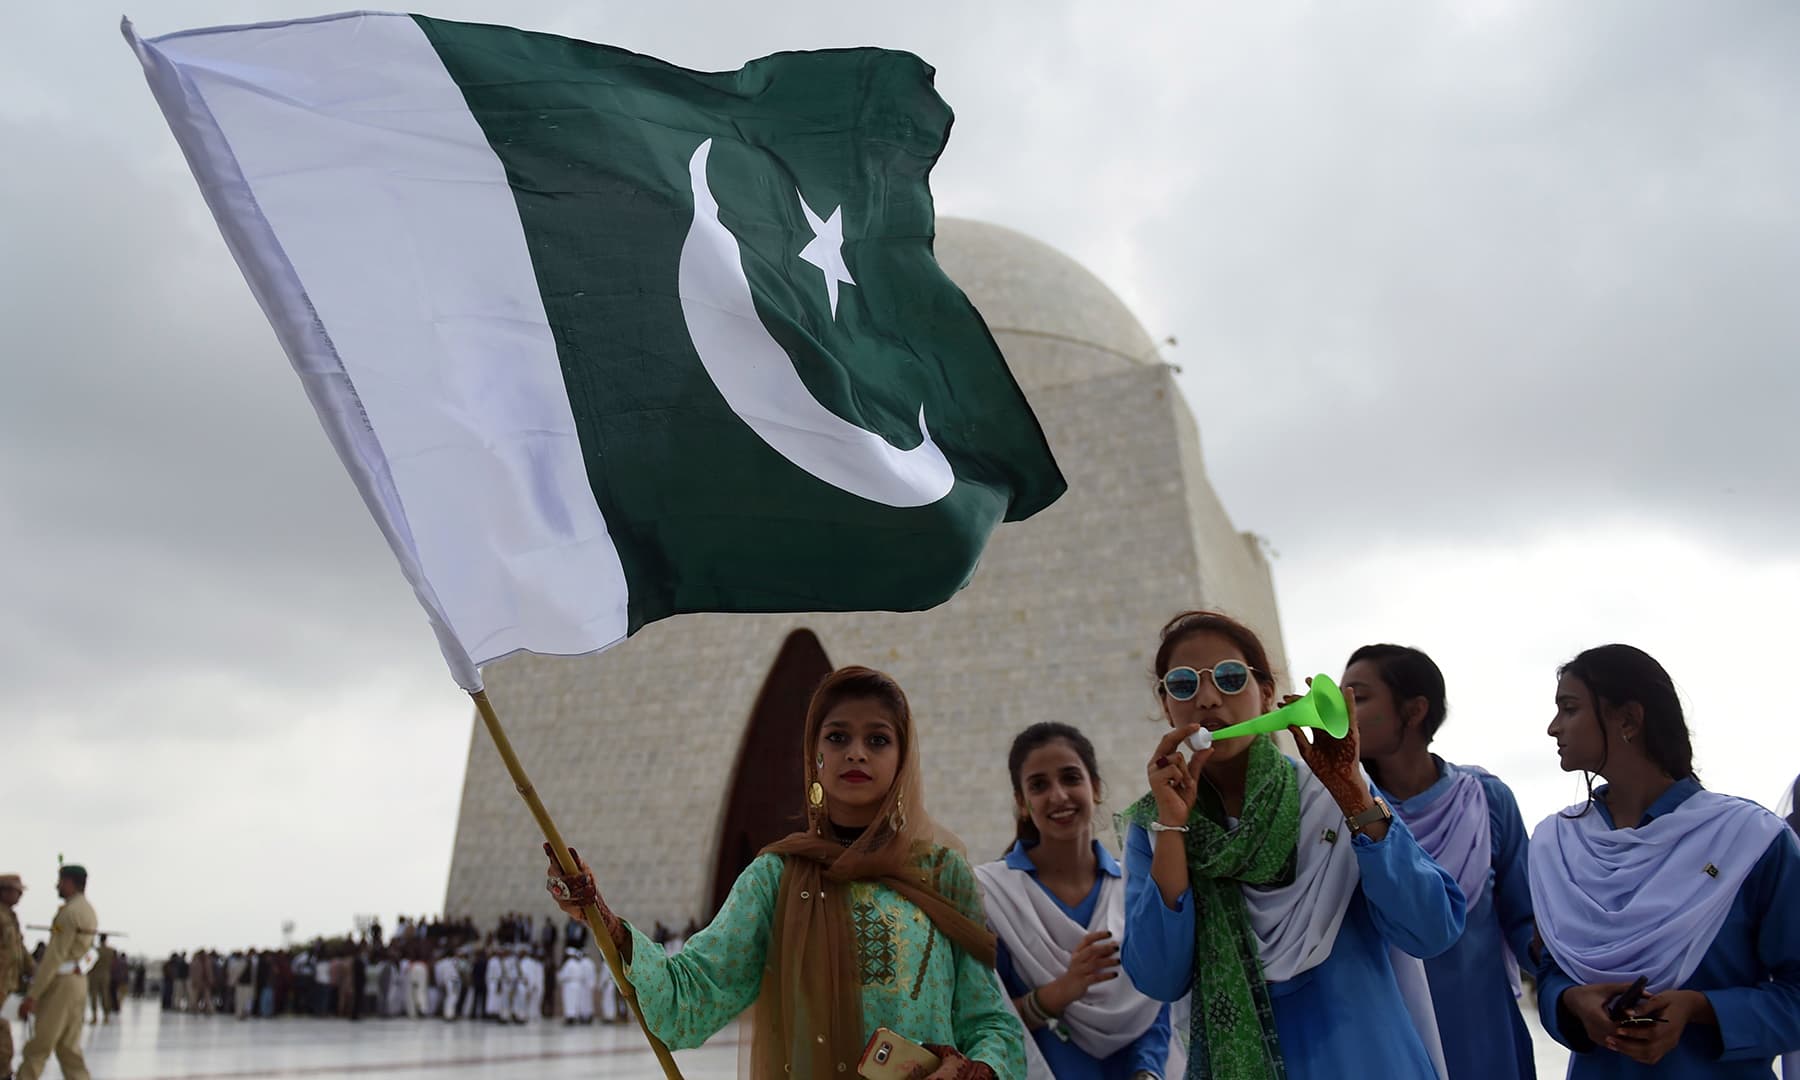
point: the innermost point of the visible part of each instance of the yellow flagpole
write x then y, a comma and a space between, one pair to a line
591, 913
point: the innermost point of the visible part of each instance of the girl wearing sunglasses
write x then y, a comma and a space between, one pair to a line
1278, 889
864, 920
1671, 935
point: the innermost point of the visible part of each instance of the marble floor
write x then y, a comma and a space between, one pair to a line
144, 1043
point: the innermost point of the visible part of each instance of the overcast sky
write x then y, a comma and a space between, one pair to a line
1486, 311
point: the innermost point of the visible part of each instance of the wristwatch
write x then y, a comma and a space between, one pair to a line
1378, 812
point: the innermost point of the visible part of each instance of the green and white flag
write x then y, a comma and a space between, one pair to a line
602, 340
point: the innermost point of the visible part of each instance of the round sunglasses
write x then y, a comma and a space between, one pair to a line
1230, 676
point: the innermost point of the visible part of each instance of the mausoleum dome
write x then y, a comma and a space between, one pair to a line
1056, 322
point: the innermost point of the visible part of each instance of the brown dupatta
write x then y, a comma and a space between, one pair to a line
808, 1018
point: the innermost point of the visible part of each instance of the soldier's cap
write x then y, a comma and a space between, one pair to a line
73, 871
12, 881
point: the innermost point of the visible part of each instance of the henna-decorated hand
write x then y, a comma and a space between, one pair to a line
575, 892
1336, 762
952, 1065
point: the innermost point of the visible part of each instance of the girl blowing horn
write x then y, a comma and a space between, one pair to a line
1279, 890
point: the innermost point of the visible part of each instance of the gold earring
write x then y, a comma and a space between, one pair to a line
819, 762
816, 794
897, 819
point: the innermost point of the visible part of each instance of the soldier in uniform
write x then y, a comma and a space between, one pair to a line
58, 992
15, 962
100, 1003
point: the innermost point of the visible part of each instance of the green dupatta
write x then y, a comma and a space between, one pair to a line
1231, 1029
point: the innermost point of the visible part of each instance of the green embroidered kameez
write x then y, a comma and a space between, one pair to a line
914, 980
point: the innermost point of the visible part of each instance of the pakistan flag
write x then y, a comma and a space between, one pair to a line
603, 340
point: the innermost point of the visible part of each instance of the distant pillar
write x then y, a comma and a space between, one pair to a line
765, 800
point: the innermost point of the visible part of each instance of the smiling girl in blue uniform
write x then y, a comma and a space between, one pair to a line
1056, 902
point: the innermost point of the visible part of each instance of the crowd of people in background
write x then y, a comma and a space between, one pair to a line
522, 970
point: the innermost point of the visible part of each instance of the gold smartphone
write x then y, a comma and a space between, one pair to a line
892, 1057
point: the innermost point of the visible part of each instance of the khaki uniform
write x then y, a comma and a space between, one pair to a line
14, 963
61, 993
100, 984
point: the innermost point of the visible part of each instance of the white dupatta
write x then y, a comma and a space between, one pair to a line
1616, 903
1041, 938
1297, 925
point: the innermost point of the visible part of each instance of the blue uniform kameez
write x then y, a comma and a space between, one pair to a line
1750, 974
1346, 1016
1483, 1031
1150, 1051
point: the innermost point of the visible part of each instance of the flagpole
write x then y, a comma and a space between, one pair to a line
591, 913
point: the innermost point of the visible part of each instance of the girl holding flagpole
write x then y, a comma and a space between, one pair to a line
1277, 888
869, 918
1655, 878
1056, 902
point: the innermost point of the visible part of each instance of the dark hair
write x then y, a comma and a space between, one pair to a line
1039, 735
857, 684
1793, 818
1620, 675
1409, 674
1189, 623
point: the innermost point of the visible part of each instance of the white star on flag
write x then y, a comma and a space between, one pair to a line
827, 250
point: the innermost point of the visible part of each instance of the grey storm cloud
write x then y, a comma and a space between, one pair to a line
1462, 272
164, 483
1459, 271
1464, 269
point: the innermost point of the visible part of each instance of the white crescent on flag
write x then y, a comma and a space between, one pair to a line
758, 381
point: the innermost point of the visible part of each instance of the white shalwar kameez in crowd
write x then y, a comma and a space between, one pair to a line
510, 987
590, 986
418, 980
611, 1004
528, 993
494, 1006
449, 981
577, 994
394, 1004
